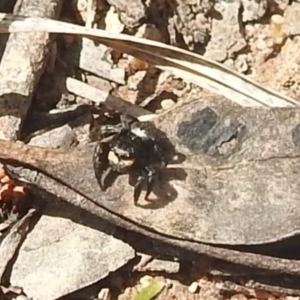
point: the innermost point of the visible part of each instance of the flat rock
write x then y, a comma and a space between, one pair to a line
159, 265
91, 57
62, 136
60, 256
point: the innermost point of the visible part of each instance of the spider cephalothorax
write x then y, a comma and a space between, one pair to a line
129, 147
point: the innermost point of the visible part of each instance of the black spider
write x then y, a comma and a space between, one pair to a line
129, 147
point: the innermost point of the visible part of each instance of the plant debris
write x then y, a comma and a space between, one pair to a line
149, 59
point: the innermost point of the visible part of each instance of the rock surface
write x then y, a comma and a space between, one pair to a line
60, 256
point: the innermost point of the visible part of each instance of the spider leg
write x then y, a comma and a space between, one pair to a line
159, 175
125, 121
150, 181
103, 172
100, 163
138, 188
147, 175
103, 177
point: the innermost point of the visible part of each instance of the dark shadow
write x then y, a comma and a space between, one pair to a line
36, 121
166, 17
276, 50
70, 56
6, 6
163, 190
276, 282
188, 273
148, 96
91, 291
274, 8
51, 89
285, 248
154, 101
159, 16
10, 105
214, 14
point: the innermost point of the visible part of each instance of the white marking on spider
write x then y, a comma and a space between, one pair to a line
139, 132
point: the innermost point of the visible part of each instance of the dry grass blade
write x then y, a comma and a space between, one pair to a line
192, 67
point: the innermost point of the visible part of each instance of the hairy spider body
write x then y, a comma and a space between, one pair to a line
129, 147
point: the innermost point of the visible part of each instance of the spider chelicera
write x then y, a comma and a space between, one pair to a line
129, 147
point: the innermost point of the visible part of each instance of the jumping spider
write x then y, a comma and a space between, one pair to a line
129, 147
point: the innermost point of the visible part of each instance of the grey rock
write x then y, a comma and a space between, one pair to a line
61, 137
10, 126
226, 36
93, 58
291, 16
132, 13
191, 21
60, 256
158, 265
253, 10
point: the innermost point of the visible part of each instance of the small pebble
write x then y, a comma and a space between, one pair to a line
128, 291
230, 64
270, 43
169, 283
241, 63
112, 21
104, 294
167, 103
163, 78
203, 280
238, 297
21, 297
250, 30
292, 298
193, 288
261, 44
145, 280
